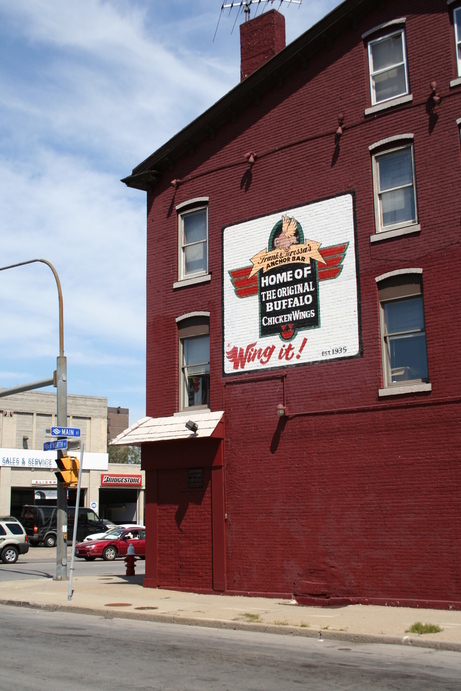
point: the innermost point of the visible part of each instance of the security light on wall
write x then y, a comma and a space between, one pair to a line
340, 129
282, 410
436, 98
192, 426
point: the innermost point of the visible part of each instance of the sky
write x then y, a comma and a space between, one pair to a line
88, 90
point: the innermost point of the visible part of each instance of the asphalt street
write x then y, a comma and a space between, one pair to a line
56, 650
40, 562
105, 590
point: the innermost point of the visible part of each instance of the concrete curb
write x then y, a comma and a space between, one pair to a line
145, 615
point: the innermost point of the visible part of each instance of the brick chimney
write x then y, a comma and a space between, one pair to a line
260, 39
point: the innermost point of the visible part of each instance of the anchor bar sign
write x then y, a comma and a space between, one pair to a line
53, 445
65, 431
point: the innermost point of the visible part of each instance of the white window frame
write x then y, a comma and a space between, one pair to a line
183, 401
374, 73
190, 326
184, 210
386, 340
408, 290
457, 14
411, 224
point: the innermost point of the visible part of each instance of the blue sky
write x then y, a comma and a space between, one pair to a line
88, 90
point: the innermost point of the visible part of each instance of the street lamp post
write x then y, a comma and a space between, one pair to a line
60, 381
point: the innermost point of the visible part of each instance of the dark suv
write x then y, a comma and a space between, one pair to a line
41, 527
13, 540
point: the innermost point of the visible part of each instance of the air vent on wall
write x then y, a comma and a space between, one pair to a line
194, 478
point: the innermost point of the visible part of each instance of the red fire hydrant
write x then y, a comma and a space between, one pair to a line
129, 561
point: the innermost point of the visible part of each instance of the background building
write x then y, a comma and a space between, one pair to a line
303, 331
118, 419
114, 491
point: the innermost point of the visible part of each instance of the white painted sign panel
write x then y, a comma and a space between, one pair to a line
290, 287
31, 458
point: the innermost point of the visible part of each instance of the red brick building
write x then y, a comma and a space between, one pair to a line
303, 314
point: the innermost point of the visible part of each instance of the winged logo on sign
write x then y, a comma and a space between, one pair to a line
246, 284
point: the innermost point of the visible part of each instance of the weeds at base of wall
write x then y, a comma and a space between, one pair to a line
421, 628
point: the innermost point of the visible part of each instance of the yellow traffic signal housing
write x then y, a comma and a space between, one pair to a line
75, 470
68, 470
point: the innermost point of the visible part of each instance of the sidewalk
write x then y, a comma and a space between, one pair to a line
121, 596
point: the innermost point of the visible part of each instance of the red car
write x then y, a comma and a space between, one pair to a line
113, 545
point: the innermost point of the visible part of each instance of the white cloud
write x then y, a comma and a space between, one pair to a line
107, 83
80, 220
88, 90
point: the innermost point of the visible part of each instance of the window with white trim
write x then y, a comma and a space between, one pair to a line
394, 188
194, 362
193, 242
403, 332
388, 67
457, 25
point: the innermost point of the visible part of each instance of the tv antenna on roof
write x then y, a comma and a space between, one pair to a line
245, 7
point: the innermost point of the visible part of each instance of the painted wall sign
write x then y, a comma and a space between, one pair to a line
113, 480
290, 287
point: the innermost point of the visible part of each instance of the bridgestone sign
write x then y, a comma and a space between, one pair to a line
111, 480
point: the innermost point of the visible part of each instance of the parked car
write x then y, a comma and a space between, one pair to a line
13, 540
113, 545
40, 523
114, 526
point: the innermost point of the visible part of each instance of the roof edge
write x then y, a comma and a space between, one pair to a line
345, 16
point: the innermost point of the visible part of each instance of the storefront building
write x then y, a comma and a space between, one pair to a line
113, 491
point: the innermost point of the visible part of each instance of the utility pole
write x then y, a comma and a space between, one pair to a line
61, 419
60, 381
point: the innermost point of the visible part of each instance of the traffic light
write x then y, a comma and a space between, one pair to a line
68, 470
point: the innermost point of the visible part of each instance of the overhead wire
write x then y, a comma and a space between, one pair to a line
244, 6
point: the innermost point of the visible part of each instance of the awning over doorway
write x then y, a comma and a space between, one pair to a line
151, 429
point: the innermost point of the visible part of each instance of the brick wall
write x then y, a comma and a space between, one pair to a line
355, 496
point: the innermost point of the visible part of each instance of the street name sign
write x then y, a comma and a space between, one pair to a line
52, 445
65, 431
